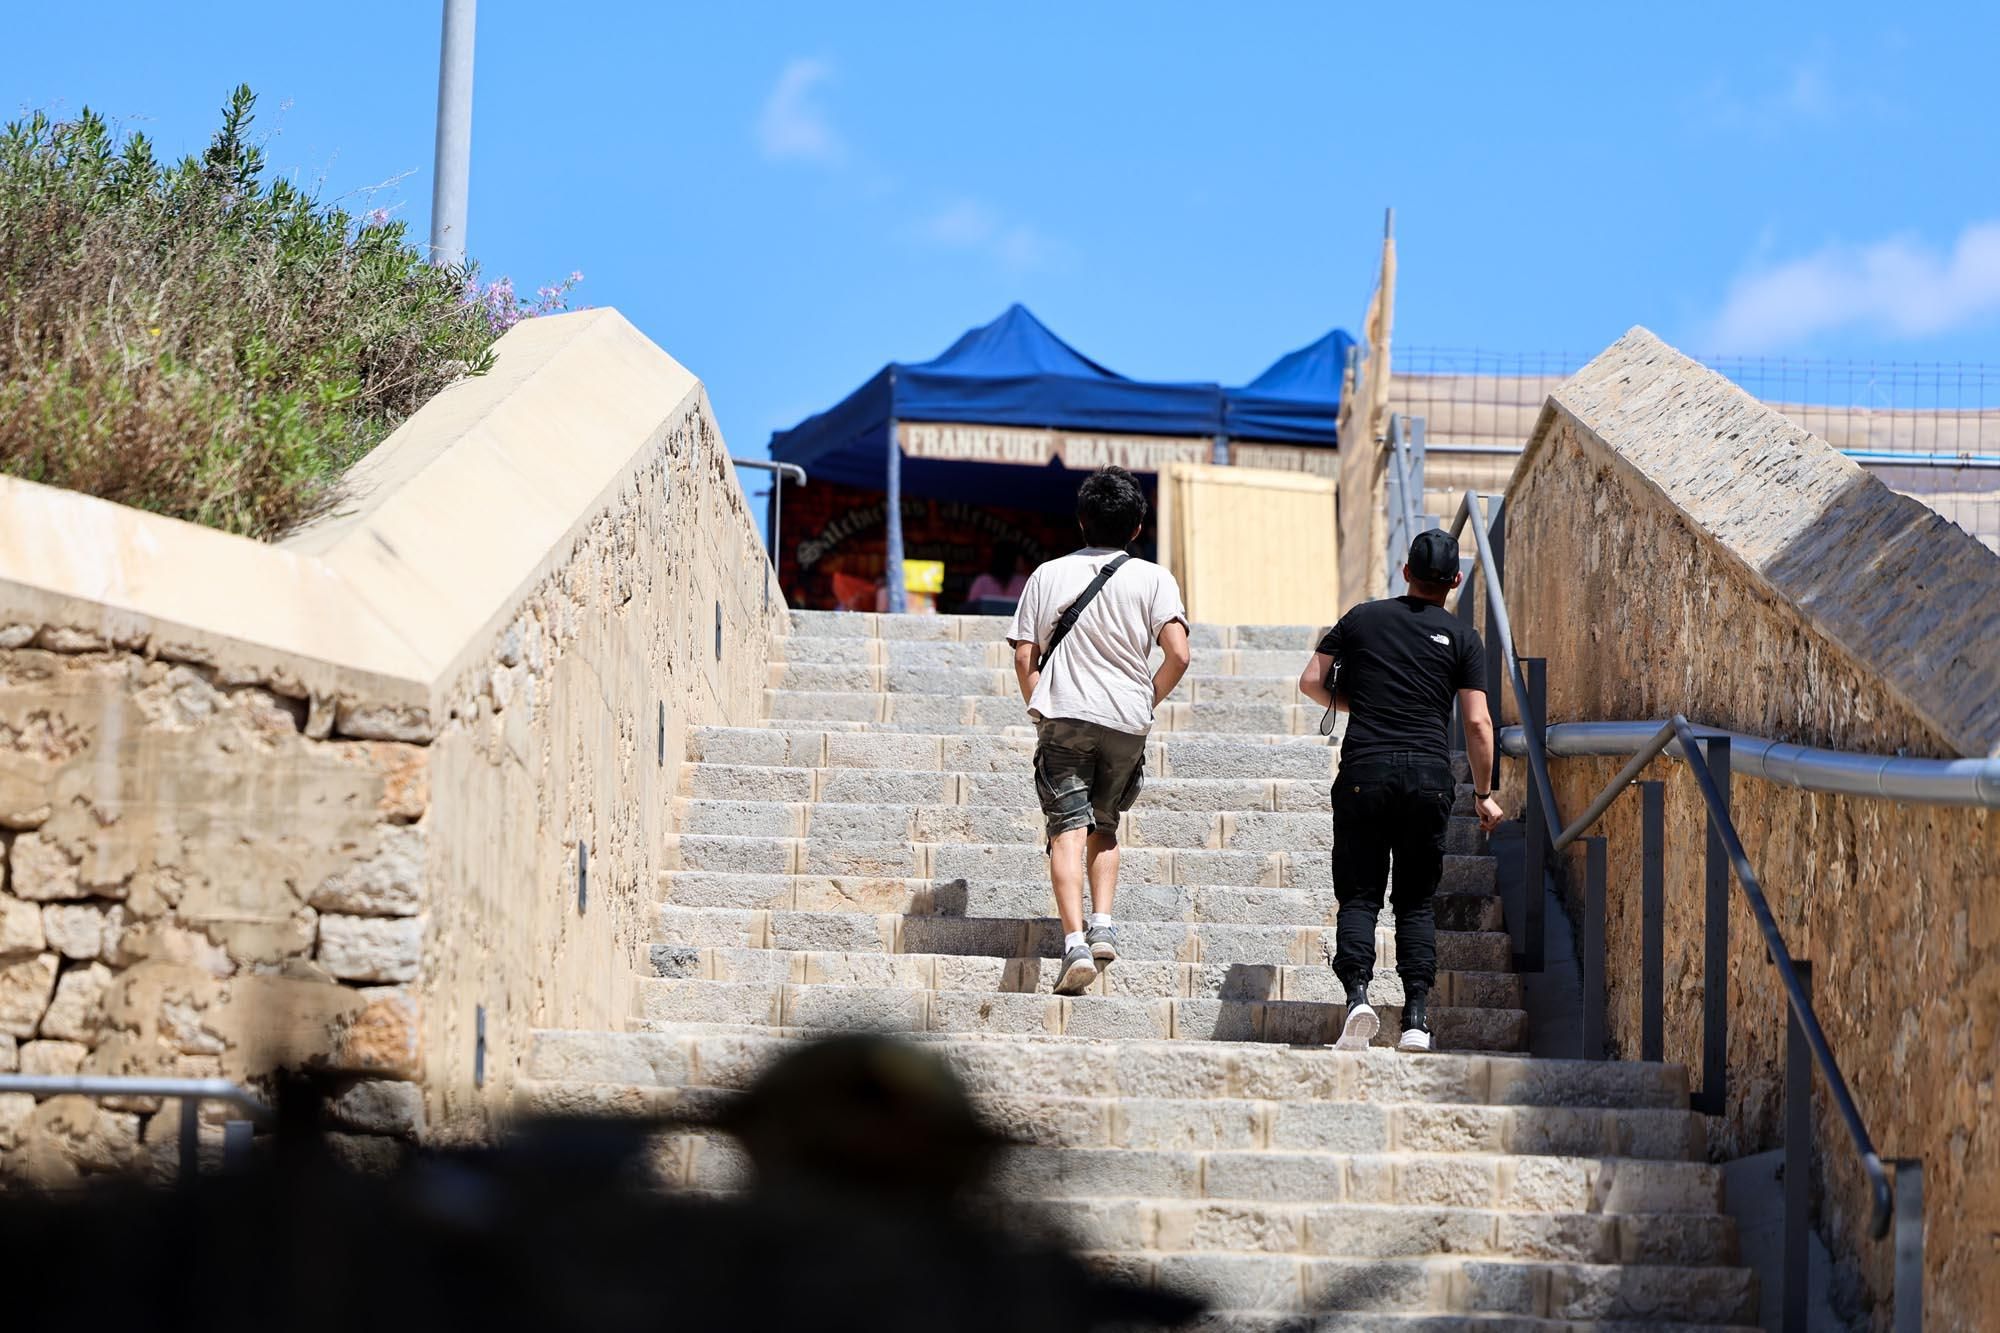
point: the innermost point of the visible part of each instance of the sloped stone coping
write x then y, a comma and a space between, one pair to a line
1909, 596
374, 610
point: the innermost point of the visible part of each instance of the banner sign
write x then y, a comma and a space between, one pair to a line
1285, 458
956, 442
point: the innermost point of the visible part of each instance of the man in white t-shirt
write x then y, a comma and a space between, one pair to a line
1092, 692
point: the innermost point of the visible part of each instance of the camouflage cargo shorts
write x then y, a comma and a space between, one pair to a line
1086, 775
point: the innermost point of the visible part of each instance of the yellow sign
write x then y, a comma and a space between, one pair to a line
923, 576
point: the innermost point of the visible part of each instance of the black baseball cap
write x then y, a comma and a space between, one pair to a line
1434, 556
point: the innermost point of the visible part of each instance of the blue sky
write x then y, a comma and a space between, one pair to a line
787, 195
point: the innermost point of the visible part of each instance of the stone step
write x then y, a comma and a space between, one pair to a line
968, 714
1246, 757
1140, 868
754, 782
811, 651
1322, 1321
1390, 1231
709, 911
700, 1057
1132, 978
979, 917
937, 679
883, 820
907, 1009
1545, 1289
993, 629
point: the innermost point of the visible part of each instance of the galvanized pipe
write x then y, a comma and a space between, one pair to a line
108, 1085
1970, 782
1626, 777
1865, 457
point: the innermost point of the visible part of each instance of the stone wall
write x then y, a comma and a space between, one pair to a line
1673, 546
319, 802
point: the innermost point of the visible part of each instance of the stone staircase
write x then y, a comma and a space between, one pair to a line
871, 858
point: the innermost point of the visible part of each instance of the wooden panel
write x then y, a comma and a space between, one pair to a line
1251, 547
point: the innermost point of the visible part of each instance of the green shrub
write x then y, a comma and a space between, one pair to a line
198, 341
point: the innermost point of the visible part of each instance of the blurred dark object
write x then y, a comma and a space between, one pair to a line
866, 1214
990, 606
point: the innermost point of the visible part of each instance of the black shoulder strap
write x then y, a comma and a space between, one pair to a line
1067, 621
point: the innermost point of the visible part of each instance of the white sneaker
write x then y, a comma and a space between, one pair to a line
1415, 1039
1360, 1029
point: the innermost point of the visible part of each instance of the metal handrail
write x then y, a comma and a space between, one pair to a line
1407, 519
191, 1092
1496, 601
1968, 782
1678, 729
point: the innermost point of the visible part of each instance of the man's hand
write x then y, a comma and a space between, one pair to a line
1489, 813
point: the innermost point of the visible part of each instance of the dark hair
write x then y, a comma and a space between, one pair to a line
1110, 506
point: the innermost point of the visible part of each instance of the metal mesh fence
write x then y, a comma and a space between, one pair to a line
1929, 429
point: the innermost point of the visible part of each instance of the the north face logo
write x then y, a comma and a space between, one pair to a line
1444, 639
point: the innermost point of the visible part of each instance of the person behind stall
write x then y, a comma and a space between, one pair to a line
1006, 575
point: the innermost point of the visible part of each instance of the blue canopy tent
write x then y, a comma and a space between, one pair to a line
1296, 401
1015, 372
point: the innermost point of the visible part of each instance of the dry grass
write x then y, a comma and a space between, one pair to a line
195, 341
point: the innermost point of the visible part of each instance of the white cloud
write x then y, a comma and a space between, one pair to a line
972, 226
1899, 286
793, 126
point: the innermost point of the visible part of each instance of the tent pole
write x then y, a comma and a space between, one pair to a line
892, 516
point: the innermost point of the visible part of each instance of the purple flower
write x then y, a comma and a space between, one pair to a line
378, 217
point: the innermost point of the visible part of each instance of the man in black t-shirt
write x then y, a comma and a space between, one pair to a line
1396, 666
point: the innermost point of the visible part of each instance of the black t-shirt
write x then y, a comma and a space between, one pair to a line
1402, 661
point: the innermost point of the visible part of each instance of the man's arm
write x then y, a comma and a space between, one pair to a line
1478, 724
1312, 681
1174, 643
1024, 668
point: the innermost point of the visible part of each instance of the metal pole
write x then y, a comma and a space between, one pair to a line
1714, 1095
1496, 536
1594, 856
1534, 911
236, 1139
1653, 920
892, 517
190, 1139
1798, 1163
453, 170
1909, 1245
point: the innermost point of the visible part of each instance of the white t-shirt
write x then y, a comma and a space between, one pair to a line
1102, 673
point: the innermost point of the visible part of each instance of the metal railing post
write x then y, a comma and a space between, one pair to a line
1496, 540
1798, 1163
190, 1138
1595, 855
1713, 1098
1909, 1243
1530, 957
1653, 920
236, 1139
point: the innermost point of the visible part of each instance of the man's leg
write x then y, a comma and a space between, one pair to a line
1064, 770
1417, 828
1102, 849
1066, 876
1360, 875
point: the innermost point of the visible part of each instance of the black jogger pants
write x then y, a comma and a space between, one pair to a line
1392, 807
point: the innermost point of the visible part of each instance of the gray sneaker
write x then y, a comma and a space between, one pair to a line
1103, 942
1078, 970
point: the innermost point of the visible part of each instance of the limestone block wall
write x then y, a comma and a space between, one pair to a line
321, 802
1672, 545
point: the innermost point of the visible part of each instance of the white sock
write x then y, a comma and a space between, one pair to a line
1073, 940
1096, 919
